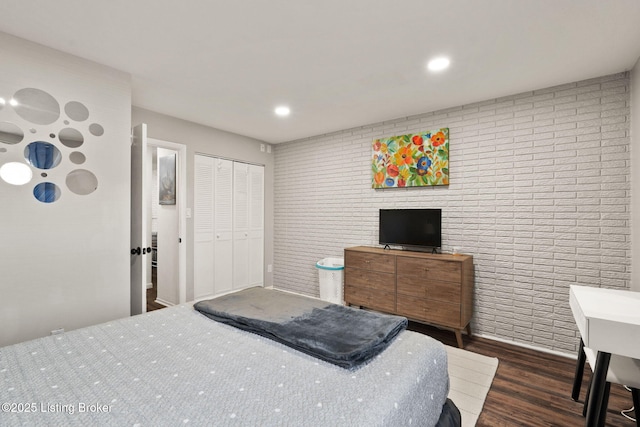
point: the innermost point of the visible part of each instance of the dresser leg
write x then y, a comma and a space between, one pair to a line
459, 338
468, 329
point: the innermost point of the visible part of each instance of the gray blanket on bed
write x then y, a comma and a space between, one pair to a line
341, 335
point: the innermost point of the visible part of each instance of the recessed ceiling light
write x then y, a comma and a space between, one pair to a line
438, 64
13, 102
283, 111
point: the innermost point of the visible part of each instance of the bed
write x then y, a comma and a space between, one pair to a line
176, 366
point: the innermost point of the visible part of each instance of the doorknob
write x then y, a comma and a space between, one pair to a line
135, 251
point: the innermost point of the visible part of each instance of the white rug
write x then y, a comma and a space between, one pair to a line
470, 376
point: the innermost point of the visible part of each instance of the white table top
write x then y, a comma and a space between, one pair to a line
608, 319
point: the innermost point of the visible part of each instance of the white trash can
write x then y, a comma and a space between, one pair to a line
330, 273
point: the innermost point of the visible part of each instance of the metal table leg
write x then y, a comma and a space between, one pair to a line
598, 385
577, 379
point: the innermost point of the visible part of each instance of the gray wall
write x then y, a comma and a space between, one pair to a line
539, 195
65, 264
206, 140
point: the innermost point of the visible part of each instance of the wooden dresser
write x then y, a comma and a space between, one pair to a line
431, 288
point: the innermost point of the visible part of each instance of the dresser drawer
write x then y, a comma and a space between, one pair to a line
419, 268
437, 312
356, 277
369, 261
429, 288
369, 298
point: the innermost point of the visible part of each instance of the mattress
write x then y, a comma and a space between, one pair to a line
176, 367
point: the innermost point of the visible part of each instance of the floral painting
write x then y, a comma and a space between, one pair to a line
413, 160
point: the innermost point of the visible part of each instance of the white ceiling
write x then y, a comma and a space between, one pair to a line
337, 63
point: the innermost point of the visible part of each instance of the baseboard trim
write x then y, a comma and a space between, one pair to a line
163, 302
149, 285
298, 293
211, 296
530, 347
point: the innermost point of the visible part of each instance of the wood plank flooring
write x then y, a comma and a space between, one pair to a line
532, 388
152, 293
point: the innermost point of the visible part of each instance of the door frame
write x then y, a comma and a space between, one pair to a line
181, 201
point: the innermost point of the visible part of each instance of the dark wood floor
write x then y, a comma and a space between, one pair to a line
532, 388
152, 293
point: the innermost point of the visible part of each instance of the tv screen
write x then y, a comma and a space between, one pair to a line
411, 227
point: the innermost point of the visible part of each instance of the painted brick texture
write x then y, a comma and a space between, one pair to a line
539, 194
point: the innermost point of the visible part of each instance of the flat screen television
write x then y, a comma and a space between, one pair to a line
411, 227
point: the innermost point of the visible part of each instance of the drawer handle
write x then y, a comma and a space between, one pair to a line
426, 269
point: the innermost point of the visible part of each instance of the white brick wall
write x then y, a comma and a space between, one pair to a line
539, 195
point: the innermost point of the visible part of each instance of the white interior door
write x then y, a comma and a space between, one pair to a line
168, 229
170, 225
139, 206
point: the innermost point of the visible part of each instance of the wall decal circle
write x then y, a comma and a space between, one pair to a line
16, 173
71, 138
82, 182
76, 111
42, 155
36, 106
96, 129
10, 133
77, 158
46, 192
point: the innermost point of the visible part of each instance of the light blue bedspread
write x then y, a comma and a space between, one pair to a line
175, 367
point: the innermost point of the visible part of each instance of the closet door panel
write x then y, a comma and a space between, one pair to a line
256, 225
203, 227
240, 225
223, 225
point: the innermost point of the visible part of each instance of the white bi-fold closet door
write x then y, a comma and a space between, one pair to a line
228, 226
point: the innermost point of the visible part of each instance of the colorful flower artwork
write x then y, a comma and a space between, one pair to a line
413, 160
